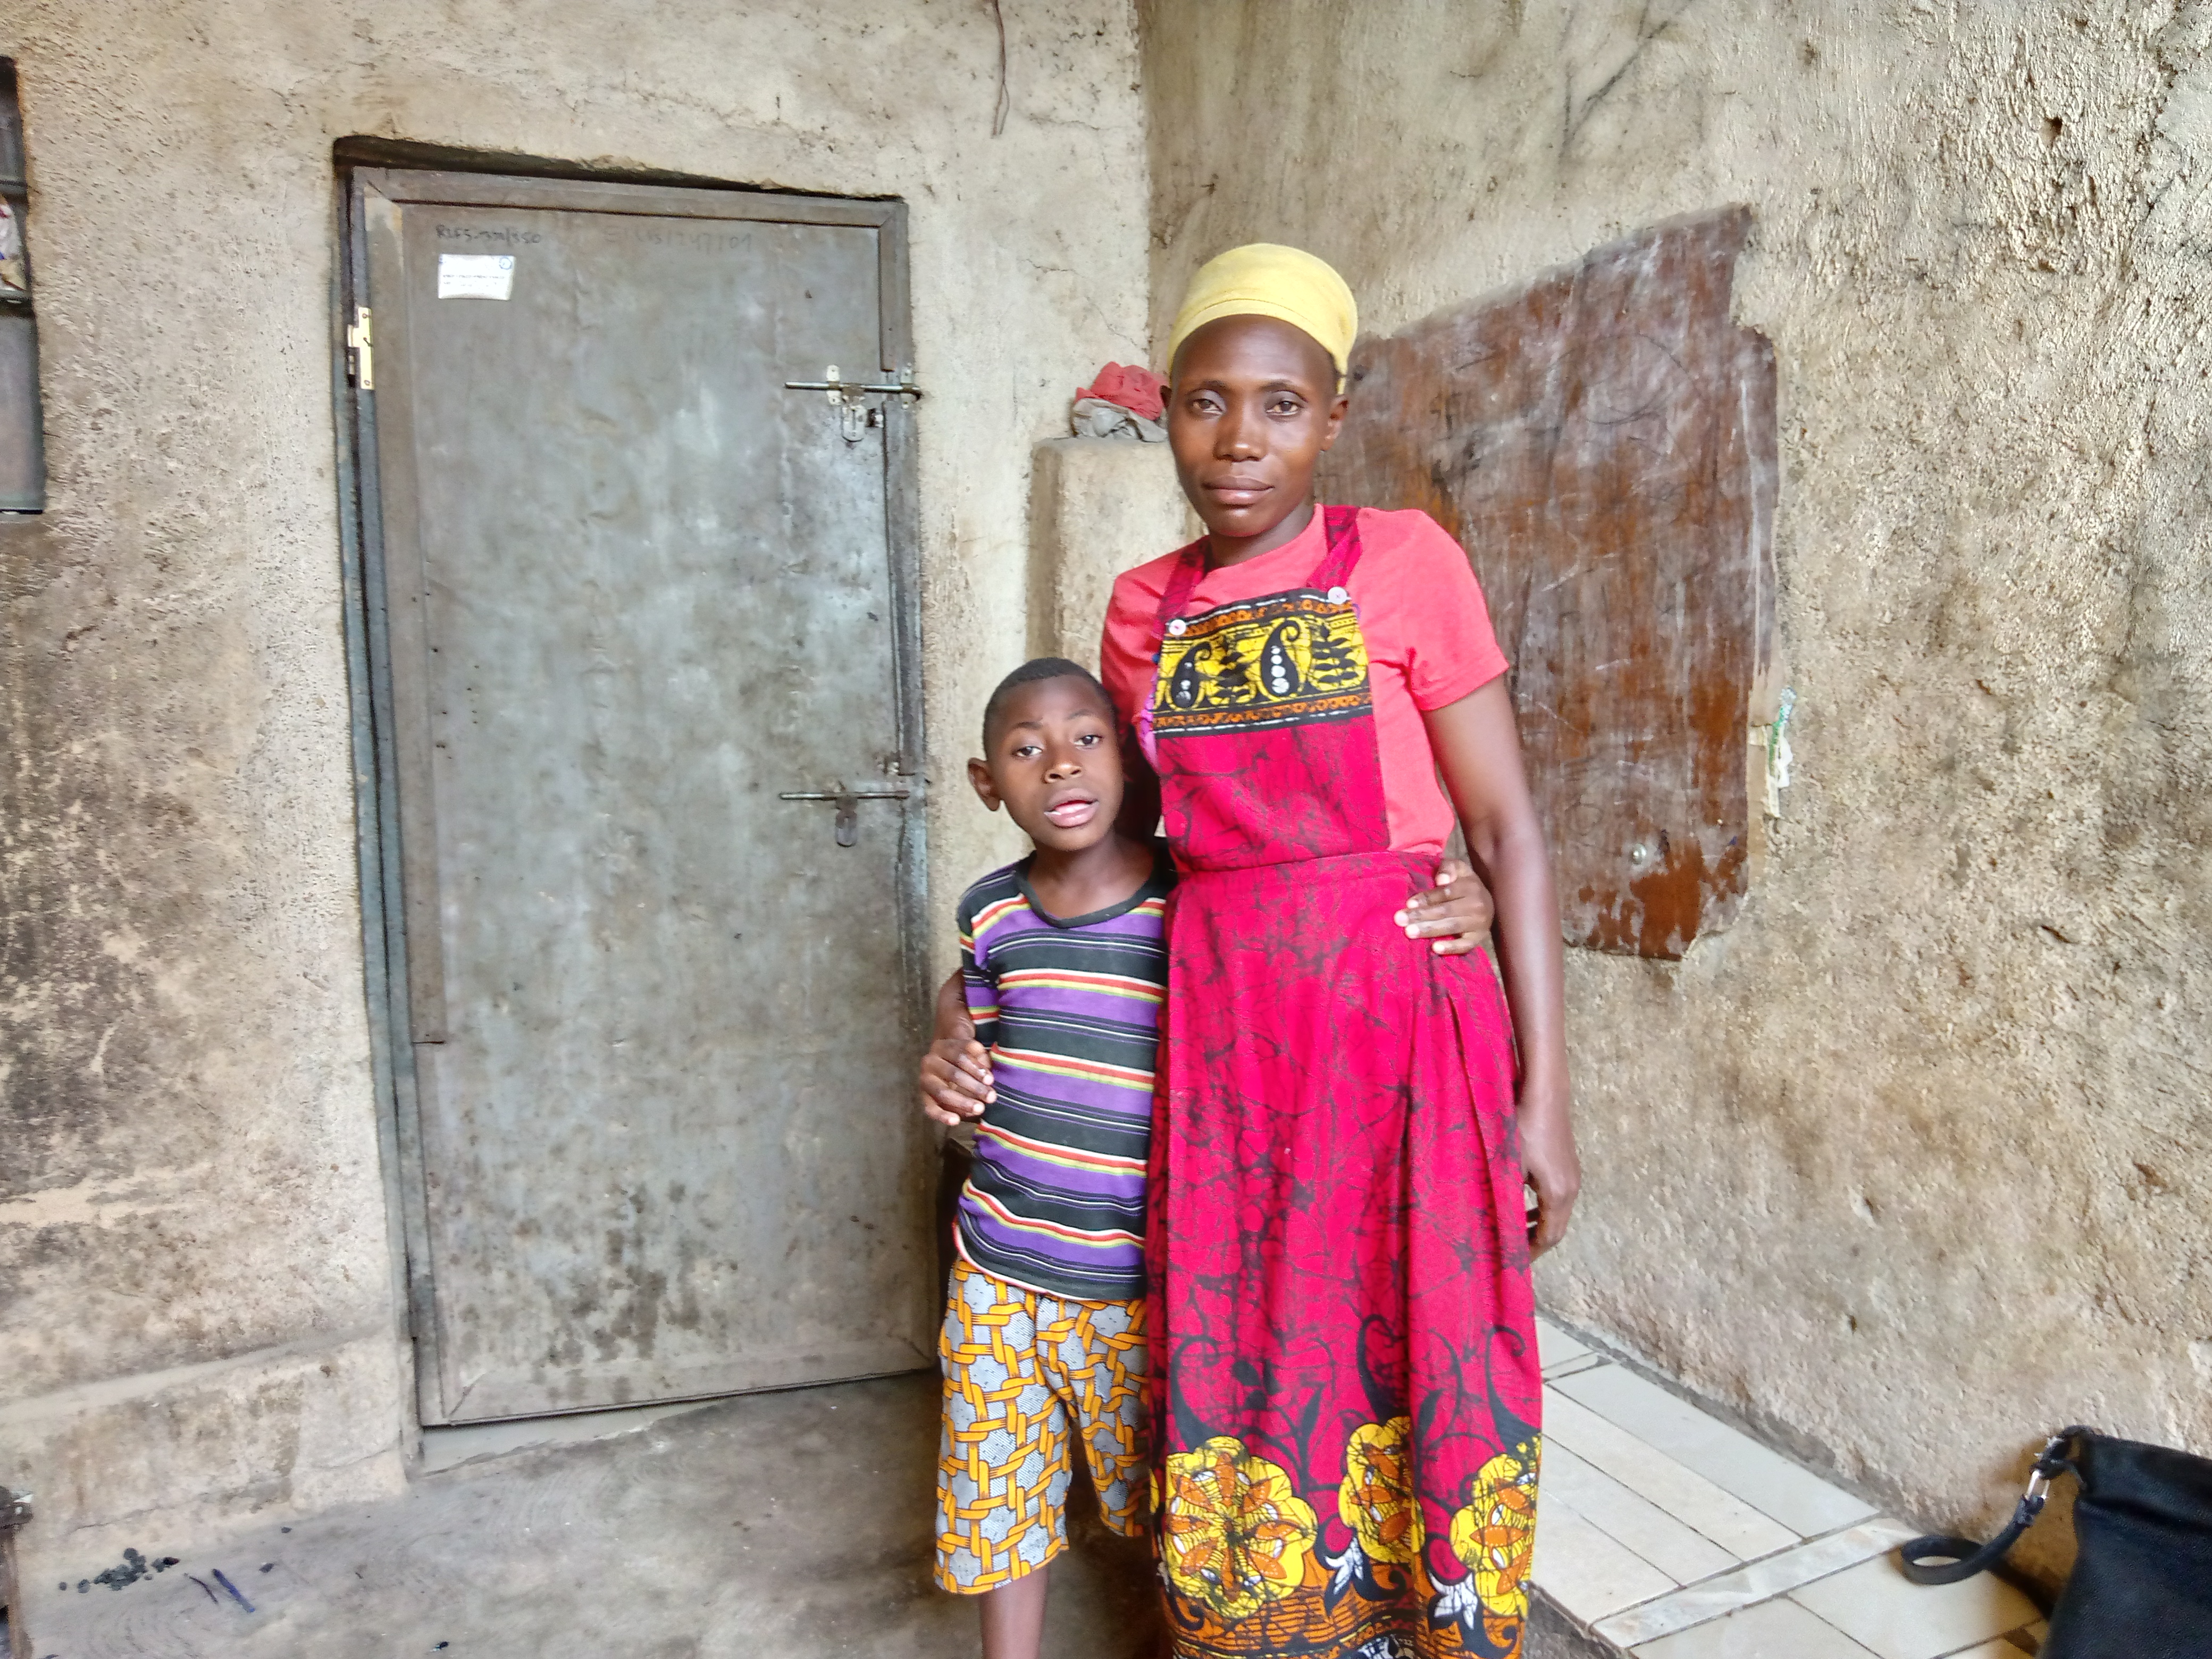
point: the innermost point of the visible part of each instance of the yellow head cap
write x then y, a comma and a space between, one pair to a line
1263, 279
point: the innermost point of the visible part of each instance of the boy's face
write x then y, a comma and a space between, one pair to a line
1254, 405
1053, 763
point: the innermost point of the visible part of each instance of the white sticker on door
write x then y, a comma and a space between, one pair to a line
475, 275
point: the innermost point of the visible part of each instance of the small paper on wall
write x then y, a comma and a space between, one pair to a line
14, 283
475, 275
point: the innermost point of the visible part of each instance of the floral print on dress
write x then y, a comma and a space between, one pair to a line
1494, 1536
1234, 1534
1376, 1499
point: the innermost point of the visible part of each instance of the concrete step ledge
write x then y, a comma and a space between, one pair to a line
1553, 1634
1665, 1533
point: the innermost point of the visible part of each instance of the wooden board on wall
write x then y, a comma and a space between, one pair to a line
1602, 443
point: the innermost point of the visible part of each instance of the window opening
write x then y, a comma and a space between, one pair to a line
22, 441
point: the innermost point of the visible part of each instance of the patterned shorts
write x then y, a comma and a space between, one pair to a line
1017, 1366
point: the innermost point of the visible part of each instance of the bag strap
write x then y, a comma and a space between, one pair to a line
1938, 1560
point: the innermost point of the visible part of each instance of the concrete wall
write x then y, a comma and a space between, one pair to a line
1912, 1165
197, 1311
1097, 506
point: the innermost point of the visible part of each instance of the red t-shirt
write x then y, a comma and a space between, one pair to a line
1429, 643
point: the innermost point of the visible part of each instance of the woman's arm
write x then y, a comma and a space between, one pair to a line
1478, 750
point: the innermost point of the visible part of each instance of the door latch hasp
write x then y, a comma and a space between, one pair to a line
850, 398
849, 806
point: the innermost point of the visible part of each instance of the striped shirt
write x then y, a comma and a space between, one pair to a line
1069, 1010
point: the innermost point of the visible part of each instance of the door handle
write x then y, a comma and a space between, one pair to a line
849, 806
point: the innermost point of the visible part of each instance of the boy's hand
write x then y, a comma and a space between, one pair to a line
956, 1080
956, 1069
1456, 913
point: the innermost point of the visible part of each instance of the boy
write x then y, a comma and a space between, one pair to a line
1065, 969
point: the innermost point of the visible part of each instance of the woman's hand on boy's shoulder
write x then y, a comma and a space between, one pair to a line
956, 1080
1456, 913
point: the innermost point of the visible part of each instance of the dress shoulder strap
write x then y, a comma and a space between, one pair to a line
1341, 525
1183, 581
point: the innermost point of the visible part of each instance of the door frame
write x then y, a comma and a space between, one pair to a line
392, 1011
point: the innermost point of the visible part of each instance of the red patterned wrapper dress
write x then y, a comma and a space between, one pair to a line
1346, 1388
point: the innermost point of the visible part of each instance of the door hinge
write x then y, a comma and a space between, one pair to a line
15, 1509
360, 358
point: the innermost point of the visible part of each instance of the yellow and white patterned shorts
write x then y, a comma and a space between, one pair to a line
1016, 1365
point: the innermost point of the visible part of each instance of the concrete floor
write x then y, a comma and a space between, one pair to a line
780, 1526
785, 1524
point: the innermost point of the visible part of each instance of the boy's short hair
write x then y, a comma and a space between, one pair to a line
1036, 668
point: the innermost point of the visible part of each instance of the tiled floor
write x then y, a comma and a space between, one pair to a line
1668, 1534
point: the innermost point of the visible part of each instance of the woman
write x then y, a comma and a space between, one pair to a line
1346, 1385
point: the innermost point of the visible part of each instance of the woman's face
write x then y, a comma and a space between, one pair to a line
1253, 405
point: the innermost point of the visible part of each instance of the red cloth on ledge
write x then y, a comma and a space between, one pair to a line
1139, 391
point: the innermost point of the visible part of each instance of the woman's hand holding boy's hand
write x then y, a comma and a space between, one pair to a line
1456, 913
956, 1080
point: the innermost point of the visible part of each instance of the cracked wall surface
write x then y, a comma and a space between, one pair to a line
196, 1318
1911, 1166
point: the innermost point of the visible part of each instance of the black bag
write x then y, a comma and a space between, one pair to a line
2141, 1585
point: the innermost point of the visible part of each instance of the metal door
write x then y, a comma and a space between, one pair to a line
640, 650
